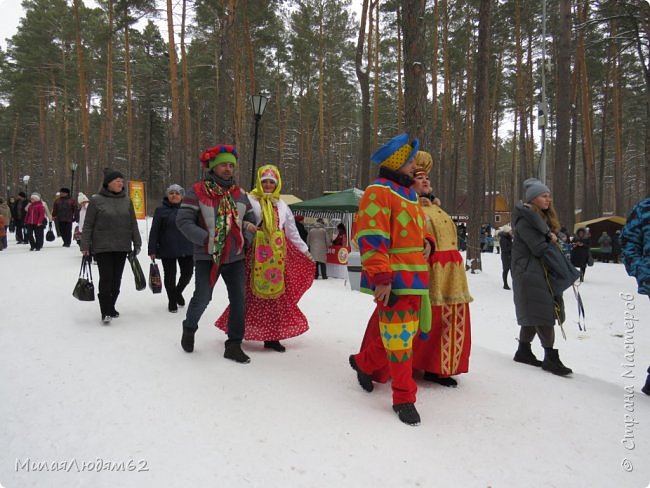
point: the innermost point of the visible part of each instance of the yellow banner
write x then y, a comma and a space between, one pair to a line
136, 192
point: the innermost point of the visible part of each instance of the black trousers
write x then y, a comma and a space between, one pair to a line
186, 265
111, 267
546, 335
35, 234
504, 273
323, 270
21, 231
65, 231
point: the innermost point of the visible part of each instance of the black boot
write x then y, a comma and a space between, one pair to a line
364, 379
172, 307
275, 345
114, 313
407, 413
187, 341
179, 298
553, 364
646, 387
525, 355
504, 275
441, 380
233, 351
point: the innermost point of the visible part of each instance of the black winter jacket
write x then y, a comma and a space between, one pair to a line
165, 240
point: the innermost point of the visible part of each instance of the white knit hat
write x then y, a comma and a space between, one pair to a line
81, 198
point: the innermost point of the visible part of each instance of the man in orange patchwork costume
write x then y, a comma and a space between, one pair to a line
394, 247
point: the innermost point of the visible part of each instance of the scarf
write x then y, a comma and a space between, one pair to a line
211, 194
269, 251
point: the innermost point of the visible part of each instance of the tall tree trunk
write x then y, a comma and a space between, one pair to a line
481, 135
108, 100
445, 140
375, 98
433, 139
590, 203
321, 86
400, 88
364, 85
175, 149
129, 102
606, 90
561, 195
188, 147
415, 86
617, 119
520, 104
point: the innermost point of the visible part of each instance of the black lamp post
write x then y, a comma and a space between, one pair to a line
73, 167
258, 104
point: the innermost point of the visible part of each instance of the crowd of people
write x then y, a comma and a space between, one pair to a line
409, 246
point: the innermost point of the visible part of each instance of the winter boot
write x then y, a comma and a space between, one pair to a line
441, 380
407, 413
553, 364
504, 275
233, 351
172, 307
646, 387
187, 341
179, 298
525, 355
275, 345
106, 319
364, 379
114, 313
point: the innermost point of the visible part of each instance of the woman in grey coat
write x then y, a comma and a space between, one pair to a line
318, 242
535, 226
110, 228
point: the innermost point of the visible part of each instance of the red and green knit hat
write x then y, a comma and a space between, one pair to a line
223, 153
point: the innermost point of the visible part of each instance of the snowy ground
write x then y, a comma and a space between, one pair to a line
76, 395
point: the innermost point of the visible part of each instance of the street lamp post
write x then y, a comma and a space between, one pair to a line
73, 167
258, 104
26, 183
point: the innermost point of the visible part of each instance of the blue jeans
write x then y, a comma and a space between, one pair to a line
234, 276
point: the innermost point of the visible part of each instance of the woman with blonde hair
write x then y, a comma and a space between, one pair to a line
279, 268
537, 303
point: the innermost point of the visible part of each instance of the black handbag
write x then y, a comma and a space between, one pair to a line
155, 282
50, 234
140, 281
84, 290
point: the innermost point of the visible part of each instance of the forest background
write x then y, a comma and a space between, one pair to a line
101, 87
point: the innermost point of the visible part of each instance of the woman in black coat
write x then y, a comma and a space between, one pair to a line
167, 243
580, 252
535, 226
505, 243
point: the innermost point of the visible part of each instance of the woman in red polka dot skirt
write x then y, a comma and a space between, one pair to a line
279, 268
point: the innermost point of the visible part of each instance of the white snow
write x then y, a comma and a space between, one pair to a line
73, 391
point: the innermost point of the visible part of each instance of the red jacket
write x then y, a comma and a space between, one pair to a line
35, 213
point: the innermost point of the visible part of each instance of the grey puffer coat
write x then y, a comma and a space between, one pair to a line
110, 224
532, 296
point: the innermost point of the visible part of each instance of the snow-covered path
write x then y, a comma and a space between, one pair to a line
74, 392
